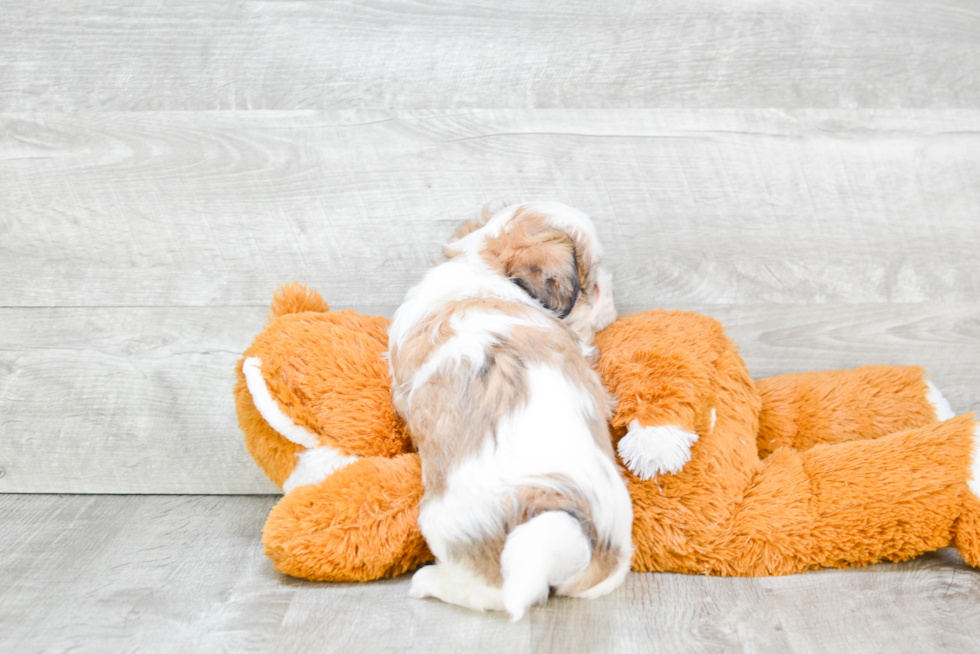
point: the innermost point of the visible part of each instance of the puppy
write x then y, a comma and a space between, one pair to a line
490, 361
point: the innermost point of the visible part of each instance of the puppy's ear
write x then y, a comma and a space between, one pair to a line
449, 249
546, 268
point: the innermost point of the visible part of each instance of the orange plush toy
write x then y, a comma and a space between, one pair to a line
728, 476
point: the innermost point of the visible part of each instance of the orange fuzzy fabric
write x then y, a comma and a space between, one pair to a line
825, 469
803, 410
346, 529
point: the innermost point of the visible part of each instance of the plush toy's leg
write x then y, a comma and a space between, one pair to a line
802, 410
834, 505
358, 524
856, 503
967, 538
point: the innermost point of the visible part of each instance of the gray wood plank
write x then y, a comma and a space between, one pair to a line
726, 206
138, 400
124, 401
801, 605
123, 574
84, 55
943, 339
164, 574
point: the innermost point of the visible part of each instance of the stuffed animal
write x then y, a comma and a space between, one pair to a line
727, 476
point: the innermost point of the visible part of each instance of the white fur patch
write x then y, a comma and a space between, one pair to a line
315, 465
546, 551
939, 403
604, 308
547, 436
467, 277
455, 585
270, 410
652, 451
714, 419
475, 331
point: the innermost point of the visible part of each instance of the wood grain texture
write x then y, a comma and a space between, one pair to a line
84, 55
138, 400
164, 165
697, 207
124, 401
166, 574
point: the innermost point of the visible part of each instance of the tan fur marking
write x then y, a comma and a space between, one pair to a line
604, 563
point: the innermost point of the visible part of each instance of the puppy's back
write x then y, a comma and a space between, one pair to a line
536, 501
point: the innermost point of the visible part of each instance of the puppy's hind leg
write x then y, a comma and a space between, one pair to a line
548, 550
455, 585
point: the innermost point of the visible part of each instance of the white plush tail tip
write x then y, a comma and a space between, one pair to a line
974, 481
939, 403
546, 551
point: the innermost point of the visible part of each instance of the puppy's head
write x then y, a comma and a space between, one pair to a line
551, 252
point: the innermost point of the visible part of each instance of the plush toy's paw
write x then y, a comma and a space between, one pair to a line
652, 451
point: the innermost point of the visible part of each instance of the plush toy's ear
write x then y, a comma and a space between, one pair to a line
296, 298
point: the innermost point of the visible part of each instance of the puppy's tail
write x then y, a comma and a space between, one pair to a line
548, 550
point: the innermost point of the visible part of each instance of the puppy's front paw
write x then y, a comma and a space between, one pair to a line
652, 451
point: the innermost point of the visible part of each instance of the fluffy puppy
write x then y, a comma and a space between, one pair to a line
490, 361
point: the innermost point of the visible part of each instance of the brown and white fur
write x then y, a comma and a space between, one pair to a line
490, 361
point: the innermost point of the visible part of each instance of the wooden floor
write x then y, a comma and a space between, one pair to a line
809, 173
183, 573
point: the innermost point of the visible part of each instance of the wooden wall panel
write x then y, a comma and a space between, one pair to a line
163, 167
728, 206
138, 400
84, 55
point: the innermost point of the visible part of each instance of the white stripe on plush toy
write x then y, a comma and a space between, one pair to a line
315, 465
270, 409
939, 403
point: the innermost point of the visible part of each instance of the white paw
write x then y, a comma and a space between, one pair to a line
652, 451
456, 586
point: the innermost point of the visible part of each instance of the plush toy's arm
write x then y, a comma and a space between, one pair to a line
652, 451
834, 505
806, 409
662, 397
